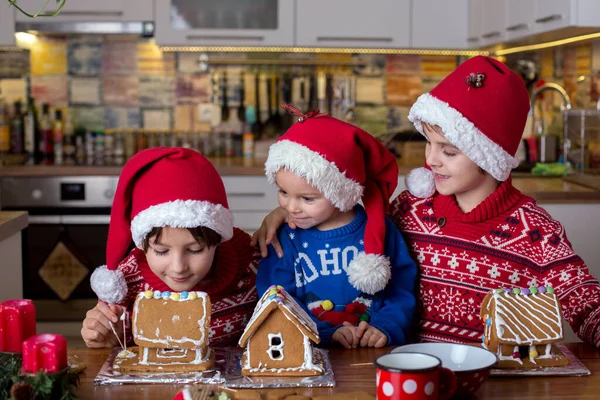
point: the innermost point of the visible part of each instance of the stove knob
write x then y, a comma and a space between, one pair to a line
109, 194
36, 194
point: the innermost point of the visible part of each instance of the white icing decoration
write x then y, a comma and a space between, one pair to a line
199, 358
157, 332
276, 347
175, 318
125, 354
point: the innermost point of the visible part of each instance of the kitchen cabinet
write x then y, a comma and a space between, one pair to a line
90, 11
353, 23
520, 19
250, 199
475, 23
7, 24
493, 18
431, 27
225, 23
553, 14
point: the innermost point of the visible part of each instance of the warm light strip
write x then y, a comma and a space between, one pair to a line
540, 46
338, 50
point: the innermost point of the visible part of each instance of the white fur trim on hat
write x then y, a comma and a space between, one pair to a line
369, 273
463, 134
109, 285
420, 182
183, 214
343, 192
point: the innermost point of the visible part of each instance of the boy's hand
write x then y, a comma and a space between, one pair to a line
96, 330
267, 233
346, 336
370, 336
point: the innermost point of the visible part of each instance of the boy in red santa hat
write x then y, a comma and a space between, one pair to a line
171, 203
468, 227
347, 265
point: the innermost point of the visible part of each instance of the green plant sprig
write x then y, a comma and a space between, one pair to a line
40, 13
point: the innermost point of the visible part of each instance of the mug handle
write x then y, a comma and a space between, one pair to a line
449, 384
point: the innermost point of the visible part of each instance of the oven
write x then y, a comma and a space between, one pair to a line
65, 239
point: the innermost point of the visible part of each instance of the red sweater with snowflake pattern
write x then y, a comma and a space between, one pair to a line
231, 289
506, 241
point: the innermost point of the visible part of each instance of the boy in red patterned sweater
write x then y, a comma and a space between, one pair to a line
171, 202
469, 229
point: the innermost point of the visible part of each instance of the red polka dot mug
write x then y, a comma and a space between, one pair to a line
413, 376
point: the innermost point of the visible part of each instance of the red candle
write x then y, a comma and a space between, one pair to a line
46, 352
17, 323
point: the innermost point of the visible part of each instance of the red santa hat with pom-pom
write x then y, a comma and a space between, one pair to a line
159, 187
481, 108
346, 164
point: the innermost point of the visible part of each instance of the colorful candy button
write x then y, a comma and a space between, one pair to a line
148, 294
550, 289
184, 295
533, 290
516, 290
542, 289
525, 291
166, 294
192, 296
157, 294
174, 296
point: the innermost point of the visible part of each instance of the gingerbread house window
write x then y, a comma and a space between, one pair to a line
275, 350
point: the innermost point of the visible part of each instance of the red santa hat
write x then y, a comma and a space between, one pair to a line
481, 108
160, 187
346, 164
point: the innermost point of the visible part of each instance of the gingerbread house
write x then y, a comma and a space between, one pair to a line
171, 330
521, 325
279, 337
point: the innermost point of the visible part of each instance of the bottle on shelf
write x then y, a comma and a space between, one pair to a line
90, 145
4, 129
109, 146
17, 130
119, 148
46, 144
129, 143
140, 140
69, 141
32, 128
80, 146
248, 136
99, 147
57, 137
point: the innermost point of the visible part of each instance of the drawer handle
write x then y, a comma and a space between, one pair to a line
473, 39
353, 39
257, 194
93, 13
517, 27
549, 18
491, 34
219, 37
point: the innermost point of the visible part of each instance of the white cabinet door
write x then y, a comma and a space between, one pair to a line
225, 22
520, 16
475, 23
353, 23
250, 199
430, 27
91, 10
7, 24
554, 14
492, 30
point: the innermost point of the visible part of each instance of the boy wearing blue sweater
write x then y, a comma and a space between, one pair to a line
348, 266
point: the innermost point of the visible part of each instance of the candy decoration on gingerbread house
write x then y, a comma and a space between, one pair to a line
171, 330
279, 337
521, 325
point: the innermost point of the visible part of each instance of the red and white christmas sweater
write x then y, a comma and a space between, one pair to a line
232, 288
506, 241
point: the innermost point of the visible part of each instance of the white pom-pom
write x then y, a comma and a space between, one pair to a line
109, 285
420, 182
369, 273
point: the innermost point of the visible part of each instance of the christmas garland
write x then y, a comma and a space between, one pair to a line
39, 12
42, 385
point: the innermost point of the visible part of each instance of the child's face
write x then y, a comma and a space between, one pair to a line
455, 173
306, 205
178, 260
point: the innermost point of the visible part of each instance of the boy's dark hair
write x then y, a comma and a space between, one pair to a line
201, 234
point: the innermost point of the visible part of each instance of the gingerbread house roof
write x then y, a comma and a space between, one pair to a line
521, 317
277, 298
171, 319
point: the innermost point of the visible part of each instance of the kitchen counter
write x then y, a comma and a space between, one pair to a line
12, 222
546, 190
11, 225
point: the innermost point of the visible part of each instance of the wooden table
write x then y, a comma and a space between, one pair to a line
353, 378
